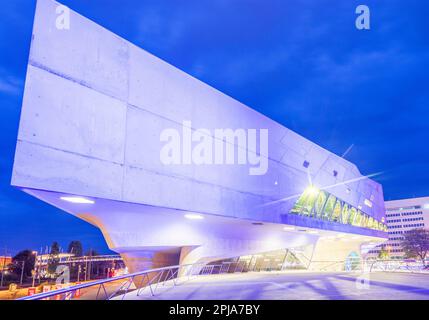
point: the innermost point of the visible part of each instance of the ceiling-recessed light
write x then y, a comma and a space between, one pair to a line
78, 200
368, 203
193, 216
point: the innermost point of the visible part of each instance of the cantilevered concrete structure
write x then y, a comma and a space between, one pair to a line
94, 111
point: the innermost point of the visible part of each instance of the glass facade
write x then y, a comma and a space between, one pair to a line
282, 259
319, 204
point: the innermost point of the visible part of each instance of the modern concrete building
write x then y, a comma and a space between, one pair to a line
402, 216
96, 139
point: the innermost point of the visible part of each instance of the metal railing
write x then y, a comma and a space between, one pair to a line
44, 261
94, 258
395, 266
138, 282
150, 280
301, 257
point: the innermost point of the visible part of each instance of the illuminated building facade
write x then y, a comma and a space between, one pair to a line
94, 114
5, 262
401, 217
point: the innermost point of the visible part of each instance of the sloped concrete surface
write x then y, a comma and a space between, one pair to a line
296, 286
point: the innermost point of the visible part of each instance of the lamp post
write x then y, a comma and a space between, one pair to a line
2, 272
35, 267
22, 271
3, 267
78, 272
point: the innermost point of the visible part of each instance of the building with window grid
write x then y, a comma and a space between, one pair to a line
401, 217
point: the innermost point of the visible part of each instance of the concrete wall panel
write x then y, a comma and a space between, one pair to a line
38, 167
86, 52
67, 116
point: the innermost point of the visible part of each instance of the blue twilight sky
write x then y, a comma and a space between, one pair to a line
300, 62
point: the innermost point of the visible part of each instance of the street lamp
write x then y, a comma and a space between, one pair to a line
22, 270
3, 269
35, 267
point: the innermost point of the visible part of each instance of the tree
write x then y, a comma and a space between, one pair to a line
383, 254
416, 244
53, 258
26, 258
75, 247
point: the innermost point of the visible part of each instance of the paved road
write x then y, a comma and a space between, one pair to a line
297, 286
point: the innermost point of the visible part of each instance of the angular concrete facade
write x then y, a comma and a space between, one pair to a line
94, 109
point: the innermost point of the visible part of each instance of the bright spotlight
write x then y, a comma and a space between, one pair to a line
78, 200
192, 216
312, 190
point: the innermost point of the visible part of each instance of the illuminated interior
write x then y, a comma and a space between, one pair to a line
319, 204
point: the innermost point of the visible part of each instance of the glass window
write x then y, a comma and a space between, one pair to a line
323, 205
365, 221
352, 215
345, 214
376, 225
329, 207
370, 222
320, 202
358, 219
299, 204
337, 212
309, 202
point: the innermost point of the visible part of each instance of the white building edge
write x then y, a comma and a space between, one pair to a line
94, 108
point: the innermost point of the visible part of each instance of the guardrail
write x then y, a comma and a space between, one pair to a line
395, 266
45, 261
150, 280
140, 281
94, 258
